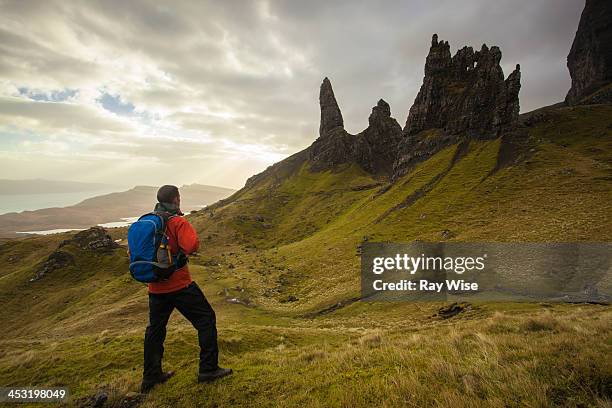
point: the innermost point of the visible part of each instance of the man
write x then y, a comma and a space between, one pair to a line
179, 292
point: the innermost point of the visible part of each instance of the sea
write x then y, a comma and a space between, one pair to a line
30, 202
124, 222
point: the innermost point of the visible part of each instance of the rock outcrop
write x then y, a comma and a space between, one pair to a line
590, 58
376, 146
57, 260
373, 149
334, 146
332, 149
465, 93
95, 238
464, 96
331, 117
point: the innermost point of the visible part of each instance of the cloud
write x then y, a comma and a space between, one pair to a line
57, 117
217, 91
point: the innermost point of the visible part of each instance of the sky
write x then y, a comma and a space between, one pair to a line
140, 92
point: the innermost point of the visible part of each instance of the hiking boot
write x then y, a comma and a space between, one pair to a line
147, 385
212, 375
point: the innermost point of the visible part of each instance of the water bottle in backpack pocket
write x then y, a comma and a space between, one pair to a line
150, 256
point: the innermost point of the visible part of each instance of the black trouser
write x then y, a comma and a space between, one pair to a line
192, 304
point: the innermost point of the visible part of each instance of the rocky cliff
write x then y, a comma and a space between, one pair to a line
590, 58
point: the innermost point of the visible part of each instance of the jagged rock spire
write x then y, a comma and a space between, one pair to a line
464, 93
462, 96
513, 86
439, 57
373, 149
381, 111
376, 147
331, 117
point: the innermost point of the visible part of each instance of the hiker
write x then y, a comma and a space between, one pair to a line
175, 291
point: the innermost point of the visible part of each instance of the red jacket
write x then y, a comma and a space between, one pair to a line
180, 235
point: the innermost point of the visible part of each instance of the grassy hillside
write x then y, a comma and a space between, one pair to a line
309, 225
279, 263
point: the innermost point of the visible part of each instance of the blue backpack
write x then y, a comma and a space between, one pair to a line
150, 257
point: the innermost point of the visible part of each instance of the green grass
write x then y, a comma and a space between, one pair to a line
287, 245
524, 357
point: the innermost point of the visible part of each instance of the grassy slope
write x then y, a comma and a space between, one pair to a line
297, 236
559, 192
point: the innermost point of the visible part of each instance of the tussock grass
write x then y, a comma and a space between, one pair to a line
461, 362
543, 322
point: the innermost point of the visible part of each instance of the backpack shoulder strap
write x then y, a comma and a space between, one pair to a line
165, 217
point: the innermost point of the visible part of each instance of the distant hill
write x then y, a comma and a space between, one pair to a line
105, 208
42, 186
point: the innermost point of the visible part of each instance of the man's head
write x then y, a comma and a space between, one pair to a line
169, 194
